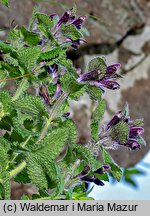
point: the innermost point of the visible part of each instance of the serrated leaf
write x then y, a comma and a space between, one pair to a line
5, 104
53, 143
120, 132
72, 87
10, 60
28, 57
85, 153
36, 172
45, 25
5, 144
50, 54
115, 169
4, 174
70, 31
30, 37
6, 48
94, 92
99, 111
3, 76
31, 105
98, 64
94, 130
22, 177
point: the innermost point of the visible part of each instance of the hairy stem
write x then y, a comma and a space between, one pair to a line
14, 155
18, 169
20, 89
52, 115
69, 176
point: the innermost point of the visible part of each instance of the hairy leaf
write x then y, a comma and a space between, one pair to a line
30, 37
115, 169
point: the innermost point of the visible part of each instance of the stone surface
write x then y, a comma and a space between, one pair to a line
109, 20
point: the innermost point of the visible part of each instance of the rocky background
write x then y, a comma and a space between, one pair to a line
120, 31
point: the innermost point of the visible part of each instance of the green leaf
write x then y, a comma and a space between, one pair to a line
5, 2
36, 172
98, 64
22, 177
27, 57
99, 111
95, 130
45, 25
50, 54
72, 87
3, 76
94, 92
70, 31
103, 177
31, 105
85, 153
30, 37
10, 60
24, 197
5, 104
107, 159
6, 48
141, 140
4, 174
52, 144
120, 132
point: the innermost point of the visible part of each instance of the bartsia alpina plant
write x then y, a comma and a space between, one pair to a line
39, 142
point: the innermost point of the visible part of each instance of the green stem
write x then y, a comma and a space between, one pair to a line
69, 176
52, 115
14, 155
20, 89
18, 169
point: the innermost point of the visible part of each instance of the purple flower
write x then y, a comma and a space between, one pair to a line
78, 22
69, 18
75, 43
98, 182
64, 19
102, 80
53, 69
58, 91
124, 131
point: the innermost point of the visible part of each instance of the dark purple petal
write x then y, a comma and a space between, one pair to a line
92, 75
133, 144
106, 167
58, 91
110, 84
134, 131
98, 182
111, 69
64, 19
75, 43
43, 92
116, 118
53, 70
78, 22
87, 179
99, 171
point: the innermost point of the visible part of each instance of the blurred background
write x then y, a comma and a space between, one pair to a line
120, 31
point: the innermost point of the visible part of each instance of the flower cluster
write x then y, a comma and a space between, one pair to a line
121, 130
68, 18
83, 176
102, 80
